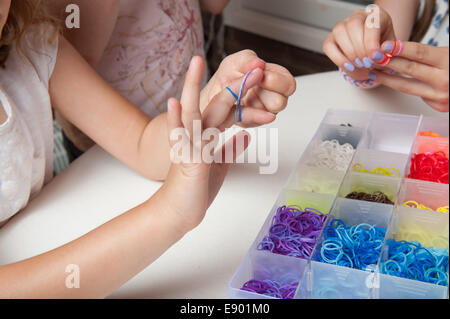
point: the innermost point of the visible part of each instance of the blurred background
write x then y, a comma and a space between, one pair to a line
287, 32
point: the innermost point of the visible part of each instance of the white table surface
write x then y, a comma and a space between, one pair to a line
97, 188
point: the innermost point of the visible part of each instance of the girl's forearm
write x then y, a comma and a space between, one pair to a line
107, 257
403, 14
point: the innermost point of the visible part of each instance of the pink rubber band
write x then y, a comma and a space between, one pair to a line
400, 43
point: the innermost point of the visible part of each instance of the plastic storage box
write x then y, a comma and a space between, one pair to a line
380, 140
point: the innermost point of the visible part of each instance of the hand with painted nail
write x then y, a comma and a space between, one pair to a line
422, 70
354, 43
193, 183
263, 101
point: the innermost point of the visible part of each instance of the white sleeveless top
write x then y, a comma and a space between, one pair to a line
26, 138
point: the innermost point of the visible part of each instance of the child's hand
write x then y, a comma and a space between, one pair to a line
261, 103
354, 43
429, 68
191, 186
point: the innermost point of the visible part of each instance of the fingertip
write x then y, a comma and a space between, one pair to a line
171, 105
255, 77
256, 64
267, 117
388, 46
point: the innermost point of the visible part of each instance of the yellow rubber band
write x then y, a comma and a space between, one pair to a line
414, 204
378, 170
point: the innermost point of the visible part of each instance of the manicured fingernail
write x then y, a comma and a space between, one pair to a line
378, 56
359, 63
349, 66
372, 76
388, 47
367, 62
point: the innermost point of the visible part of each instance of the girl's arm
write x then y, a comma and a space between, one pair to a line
214, 6
403, 14
97, 22
113, 253
114, 123
107, 257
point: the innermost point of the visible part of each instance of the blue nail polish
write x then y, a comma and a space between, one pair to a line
359, 63
388, 47
367, 62
349, 66
372, 76
378, 56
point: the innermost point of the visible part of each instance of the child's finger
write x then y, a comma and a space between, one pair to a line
190, 99
173, 118
238, 143
251, 117
417, 52
244, 61
405, 85
276, 80
220, 106
273, 102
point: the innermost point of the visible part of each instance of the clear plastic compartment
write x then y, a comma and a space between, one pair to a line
394, 133
426, 144
262, 265
381, 140
431, 230
358, 119
372, 159
432, 195
316, 180
438, 125
370, 183
321, 202
344, 135
331, 281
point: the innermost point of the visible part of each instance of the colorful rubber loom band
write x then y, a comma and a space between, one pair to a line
239, 97
414, 204
356, 247
376, 197
429, 134
378, 170
413, 261
432, 167
271, 288
389, 56
293, 231
332, 155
